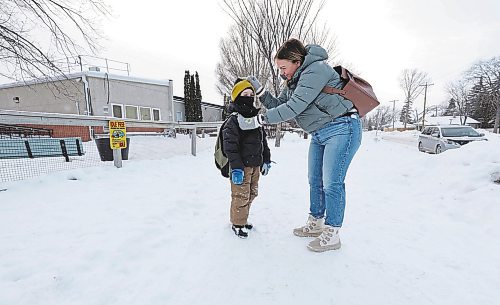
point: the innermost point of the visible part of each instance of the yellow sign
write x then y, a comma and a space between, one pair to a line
117, 135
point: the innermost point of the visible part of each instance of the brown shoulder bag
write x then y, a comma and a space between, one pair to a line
356, 89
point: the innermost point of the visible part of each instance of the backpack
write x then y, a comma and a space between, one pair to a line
221, 160
355, 89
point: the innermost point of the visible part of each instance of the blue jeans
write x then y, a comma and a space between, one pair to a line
330, 153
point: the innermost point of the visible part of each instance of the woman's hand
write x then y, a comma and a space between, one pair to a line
259, 89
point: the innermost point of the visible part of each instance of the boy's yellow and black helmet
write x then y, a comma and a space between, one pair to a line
239, 86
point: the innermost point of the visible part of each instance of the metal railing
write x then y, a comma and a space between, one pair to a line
82, 63
42, 118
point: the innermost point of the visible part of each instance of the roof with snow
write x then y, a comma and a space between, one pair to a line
398, 124
447, 120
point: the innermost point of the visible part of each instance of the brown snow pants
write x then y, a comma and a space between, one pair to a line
242, 195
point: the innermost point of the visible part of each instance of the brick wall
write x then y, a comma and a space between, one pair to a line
63, 131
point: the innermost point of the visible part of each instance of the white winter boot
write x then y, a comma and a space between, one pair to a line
328, 240
313, 227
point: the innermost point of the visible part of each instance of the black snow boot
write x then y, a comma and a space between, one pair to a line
239, 231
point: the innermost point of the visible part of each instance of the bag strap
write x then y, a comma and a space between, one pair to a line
344, 75
229, 116
227, 119
332, 90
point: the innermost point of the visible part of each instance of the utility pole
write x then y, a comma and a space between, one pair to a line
393, 112
377, 122
425, 99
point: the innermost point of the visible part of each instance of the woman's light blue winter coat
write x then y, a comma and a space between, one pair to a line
302, 99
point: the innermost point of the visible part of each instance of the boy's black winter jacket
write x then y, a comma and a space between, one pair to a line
244, 148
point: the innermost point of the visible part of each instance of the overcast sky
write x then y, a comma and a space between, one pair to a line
161, 39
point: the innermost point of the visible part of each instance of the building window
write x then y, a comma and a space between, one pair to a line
117, 110
156, 114
178, 116
145, 113
131, 112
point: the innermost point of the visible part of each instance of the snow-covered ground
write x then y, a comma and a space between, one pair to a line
419, 229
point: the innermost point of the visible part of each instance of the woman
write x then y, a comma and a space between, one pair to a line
335, 130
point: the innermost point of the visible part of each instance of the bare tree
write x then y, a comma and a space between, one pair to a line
410, 81
269, 23
239, 58
459, 93
383, 116
40, 38
488, 74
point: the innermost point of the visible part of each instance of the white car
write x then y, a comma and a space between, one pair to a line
436, 139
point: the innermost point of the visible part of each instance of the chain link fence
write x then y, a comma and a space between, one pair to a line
32, 144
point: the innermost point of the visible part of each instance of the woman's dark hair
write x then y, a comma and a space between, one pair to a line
293, 50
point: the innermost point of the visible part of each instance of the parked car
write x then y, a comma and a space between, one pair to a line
436, 139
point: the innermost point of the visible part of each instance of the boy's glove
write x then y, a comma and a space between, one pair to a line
264, 169
259, 89
237, 176
250, 123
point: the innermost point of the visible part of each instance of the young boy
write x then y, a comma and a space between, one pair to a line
248, 155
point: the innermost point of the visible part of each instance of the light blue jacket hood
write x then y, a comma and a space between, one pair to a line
302, 98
